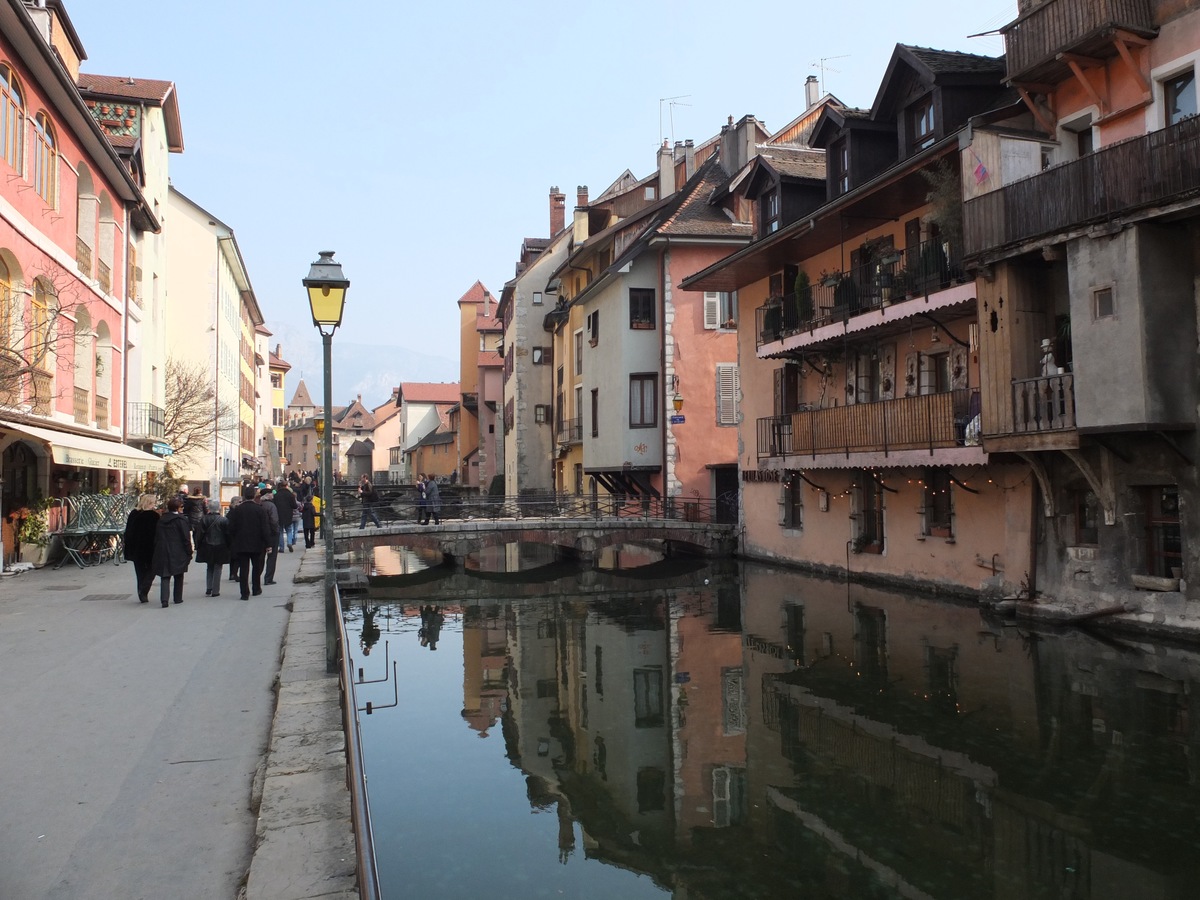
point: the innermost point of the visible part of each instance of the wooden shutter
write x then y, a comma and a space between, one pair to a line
712, 310
727, 394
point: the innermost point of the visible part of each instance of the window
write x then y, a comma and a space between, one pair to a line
643, 401
1179, 94
648, 697
579, 353
939, 503
537, 298
840, 157
595, 412
1087, 517
40, 324
641, 308
6, 309
720, 310
922, 124
277, 417
868, 500
770, 212
541, 356
791, 500
727, 394
1164, 538
12, 118
1102, 303
541, 413
45, 159
935, 373
276, 380
593, 328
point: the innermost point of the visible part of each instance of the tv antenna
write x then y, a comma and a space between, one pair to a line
671, 102
820, 66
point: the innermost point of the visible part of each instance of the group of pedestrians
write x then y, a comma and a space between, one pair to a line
429, 500
261, 523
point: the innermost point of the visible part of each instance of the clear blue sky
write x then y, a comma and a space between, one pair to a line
419, 141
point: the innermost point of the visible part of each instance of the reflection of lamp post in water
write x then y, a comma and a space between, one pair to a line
326, 288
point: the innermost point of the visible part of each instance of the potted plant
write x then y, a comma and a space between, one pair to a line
32, 531
803, 299
773, 320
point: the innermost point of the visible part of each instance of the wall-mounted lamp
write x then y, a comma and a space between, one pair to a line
935, 338
677, 402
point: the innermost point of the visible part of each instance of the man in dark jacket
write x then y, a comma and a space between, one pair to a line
267, 498
250, 534
287, 505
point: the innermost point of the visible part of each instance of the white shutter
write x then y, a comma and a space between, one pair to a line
727, 394
712, 310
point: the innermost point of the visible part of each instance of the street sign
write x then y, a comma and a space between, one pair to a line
161, 449
677, 420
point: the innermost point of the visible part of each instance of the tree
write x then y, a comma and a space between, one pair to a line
193, 415
33, 341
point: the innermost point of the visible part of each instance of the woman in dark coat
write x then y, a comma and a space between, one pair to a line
308, 516
212, 547
140, 530
172, 551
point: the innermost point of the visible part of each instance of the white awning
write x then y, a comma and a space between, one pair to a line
69, 449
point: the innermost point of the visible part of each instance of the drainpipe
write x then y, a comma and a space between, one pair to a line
125, 342
663, 265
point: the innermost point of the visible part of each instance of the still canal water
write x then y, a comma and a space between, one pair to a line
748, 732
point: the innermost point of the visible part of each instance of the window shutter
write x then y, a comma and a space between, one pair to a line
727, 394
910, 373
712, 310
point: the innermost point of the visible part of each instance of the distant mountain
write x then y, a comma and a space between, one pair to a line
368, 369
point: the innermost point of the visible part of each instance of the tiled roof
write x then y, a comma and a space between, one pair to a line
147, 89
301, 397
952, 61
794, 162
696, 216
431, 392
278, 362
475, 293
490, 358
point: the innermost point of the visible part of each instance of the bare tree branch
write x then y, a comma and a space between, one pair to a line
33, 339
193, 415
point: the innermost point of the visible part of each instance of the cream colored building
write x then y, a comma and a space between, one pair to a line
212, 315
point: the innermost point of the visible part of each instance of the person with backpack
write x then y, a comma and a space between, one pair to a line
212, 547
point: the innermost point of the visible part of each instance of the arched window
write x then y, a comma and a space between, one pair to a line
6, 310
45, 159
42, 381
12, 117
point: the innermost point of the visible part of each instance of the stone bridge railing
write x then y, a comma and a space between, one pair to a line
580, 539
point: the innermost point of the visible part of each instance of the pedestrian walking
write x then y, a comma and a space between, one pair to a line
289, 516
212, 547
308, 518
234, 502
368, 497
250, 534
172, 552
433, 497
141, 527
266, 497
194, 508
422, 501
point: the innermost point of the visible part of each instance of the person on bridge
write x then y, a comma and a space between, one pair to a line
369, 497
433, 500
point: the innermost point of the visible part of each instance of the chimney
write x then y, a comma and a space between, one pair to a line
689, 158
580, 223
558, 210
738, 143
581, 198
666, 170
812, 91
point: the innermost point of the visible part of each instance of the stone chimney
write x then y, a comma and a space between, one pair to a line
558, 210
581, 196
738, 143
580, 223
49, 21
812, 91
689, 158
666, 171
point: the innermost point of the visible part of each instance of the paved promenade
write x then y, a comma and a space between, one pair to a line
187, 752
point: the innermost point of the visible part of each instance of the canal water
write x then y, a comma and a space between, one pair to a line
740, 731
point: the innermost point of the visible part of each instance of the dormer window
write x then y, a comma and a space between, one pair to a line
922, 124
839, 157
770, 210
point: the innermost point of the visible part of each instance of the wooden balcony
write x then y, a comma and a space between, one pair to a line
1035, 42
925, 269
1152, 170
1046, 403
926, 422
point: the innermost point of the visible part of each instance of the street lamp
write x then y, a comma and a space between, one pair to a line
326, 286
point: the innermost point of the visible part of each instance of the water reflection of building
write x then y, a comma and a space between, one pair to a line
485, 666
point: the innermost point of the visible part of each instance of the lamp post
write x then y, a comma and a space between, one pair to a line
326, 286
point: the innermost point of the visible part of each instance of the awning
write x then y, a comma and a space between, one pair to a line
70, 449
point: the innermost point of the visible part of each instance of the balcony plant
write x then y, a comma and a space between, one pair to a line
803, 298
773, 319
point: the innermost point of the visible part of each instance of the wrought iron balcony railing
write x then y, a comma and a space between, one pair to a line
570, 431
145, 421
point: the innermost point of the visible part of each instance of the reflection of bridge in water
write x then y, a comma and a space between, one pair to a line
579, 540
